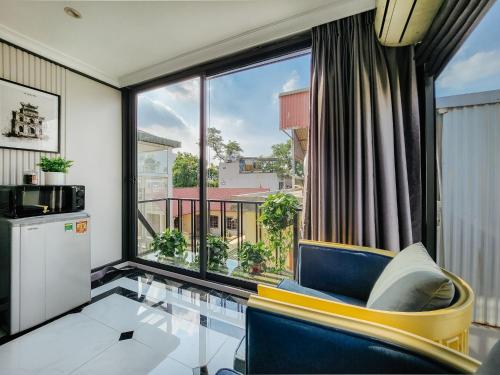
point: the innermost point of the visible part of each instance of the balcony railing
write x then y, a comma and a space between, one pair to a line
235, 221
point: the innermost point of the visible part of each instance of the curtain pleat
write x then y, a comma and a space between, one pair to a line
363, 183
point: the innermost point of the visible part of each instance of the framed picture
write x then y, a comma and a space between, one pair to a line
29, 118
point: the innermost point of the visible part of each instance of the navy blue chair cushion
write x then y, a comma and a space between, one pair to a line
343, 272
293, 286
278, 344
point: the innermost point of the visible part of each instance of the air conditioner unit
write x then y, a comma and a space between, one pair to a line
404, 22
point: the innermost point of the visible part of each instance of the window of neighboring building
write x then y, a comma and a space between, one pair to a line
232, 223
214, 221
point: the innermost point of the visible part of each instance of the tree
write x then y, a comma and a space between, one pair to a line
185, 170
233, 150
282, 166
223, 151
213, 176
216, 143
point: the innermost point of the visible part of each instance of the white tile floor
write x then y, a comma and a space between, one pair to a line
175, 331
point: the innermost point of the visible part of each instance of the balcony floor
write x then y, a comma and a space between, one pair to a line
136, 324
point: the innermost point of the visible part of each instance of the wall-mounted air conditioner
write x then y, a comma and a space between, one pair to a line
404, 22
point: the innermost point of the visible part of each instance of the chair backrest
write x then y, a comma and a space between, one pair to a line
285, 338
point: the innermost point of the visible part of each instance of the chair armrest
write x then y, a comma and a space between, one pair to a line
342, 269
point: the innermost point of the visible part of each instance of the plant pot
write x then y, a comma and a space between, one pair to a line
54, 178
256, 269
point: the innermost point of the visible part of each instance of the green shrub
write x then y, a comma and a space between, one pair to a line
56, 164
278, 213
217, 251
253, 257
170, 243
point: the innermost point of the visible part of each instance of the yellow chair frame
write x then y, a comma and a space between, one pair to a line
448, 326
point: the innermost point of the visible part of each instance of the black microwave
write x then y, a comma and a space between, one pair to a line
18, 201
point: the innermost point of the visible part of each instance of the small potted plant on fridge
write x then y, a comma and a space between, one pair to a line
54, 169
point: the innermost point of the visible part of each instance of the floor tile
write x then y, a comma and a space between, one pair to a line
124, 357
188, 343
121, 313
224, 358
170, 366
481, 340
58, 347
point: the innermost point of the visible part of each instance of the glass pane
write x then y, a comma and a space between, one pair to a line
468, 178
167, 169
257, 123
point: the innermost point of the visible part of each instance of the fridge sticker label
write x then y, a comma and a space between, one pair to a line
81, 226
68, 227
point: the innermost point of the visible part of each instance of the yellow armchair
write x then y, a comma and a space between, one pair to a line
448, 326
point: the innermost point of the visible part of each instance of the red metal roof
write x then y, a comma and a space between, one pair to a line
294, 109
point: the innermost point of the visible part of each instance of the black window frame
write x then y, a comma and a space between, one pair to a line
263, 54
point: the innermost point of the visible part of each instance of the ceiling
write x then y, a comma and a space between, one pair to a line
126, 42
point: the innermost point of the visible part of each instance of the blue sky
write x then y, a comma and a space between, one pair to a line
476, 65
243, 105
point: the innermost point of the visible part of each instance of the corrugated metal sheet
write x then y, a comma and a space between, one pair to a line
294, 110
29, 70
470, 238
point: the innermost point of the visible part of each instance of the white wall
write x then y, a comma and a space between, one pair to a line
90, 135
93, 141
230, 177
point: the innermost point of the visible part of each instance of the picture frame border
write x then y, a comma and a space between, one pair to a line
58, 119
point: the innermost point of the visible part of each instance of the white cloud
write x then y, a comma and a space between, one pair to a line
478, 66
292, 83
184, 91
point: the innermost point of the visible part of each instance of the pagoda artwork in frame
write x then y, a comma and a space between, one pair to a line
29, 118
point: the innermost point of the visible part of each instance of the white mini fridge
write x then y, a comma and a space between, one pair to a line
44, 268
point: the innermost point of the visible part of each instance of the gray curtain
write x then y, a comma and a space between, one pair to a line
363, 183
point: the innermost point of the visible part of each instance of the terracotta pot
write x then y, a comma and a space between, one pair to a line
256, 269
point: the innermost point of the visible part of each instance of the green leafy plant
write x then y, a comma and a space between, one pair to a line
56, 164
278, 215
217, 251
170, 243
253, 257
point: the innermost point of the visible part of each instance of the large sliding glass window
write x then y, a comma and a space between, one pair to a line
168, 129
468, 178
257, 121
251, 127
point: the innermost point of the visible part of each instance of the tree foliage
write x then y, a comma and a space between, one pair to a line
232, 150
223, 151
185, 170
216, 143
213, 176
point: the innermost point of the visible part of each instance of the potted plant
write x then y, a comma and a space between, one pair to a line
278, 214
253, 257
217, 252
54, 169
170, 243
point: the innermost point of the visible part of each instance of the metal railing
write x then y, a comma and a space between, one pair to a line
235, 209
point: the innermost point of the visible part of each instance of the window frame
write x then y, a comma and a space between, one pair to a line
264, 54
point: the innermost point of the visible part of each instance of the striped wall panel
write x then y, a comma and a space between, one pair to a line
22, 67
